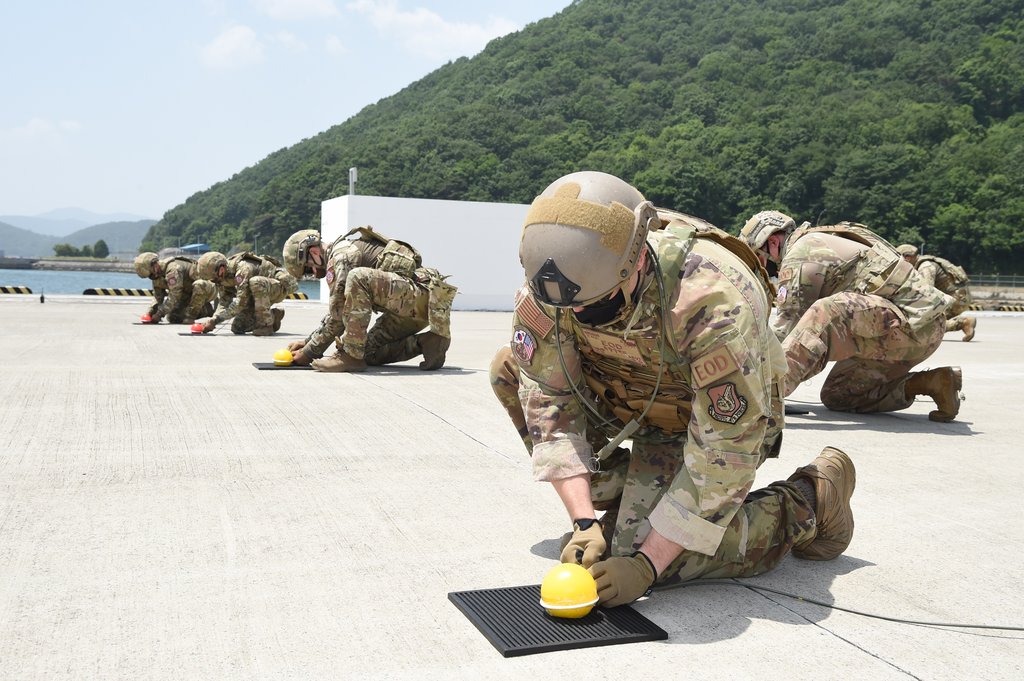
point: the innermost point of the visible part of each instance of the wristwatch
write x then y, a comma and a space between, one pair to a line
585, 523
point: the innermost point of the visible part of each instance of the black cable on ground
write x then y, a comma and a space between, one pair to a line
756, 587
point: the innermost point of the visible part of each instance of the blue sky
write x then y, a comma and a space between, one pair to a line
129, 106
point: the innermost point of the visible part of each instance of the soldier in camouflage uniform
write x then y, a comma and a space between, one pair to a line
179, 295
653, 327
948, 278
366, 274
247, 286
846, 295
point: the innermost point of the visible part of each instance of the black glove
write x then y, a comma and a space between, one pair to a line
623, 579
587, 544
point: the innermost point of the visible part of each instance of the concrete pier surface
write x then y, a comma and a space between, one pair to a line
169, 512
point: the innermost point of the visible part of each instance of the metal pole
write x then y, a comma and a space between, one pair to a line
353, 175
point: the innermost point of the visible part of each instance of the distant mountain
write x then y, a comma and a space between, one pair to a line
905, 115
123, 238
65, 221
17, 242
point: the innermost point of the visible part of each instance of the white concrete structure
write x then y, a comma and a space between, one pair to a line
476, 243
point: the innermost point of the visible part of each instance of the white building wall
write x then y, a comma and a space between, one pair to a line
476, 243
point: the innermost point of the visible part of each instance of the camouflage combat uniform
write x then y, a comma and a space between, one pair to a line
716, 417
374, 274
950, 279
846, 295
251, 284
180, 295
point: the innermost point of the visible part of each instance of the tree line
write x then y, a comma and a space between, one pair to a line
905, 115
99, 250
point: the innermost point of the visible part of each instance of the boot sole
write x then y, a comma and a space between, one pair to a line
958, 383
849, 483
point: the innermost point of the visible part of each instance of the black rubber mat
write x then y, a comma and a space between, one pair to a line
270, 365
515, 623
796, 411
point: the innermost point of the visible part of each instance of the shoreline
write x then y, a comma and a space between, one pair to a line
66, 264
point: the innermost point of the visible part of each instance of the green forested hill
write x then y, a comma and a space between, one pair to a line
907, 115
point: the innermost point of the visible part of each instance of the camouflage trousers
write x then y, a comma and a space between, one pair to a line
265, 291
961, 303
629, 484
867, 338
404, 312
198, 304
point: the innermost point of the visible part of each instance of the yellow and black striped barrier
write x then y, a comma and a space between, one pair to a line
117, 292
297, 296
974, 307
1011, 308
15, 289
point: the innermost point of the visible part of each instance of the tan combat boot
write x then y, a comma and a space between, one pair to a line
969, 324
278, 316
434, 347
834, 478
340, 361
942, 385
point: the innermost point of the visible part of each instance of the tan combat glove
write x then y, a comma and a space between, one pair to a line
623, 579
587, 544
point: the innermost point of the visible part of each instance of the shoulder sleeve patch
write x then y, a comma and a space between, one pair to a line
532, 316
713, 366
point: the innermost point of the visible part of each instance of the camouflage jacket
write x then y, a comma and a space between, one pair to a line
822, 261
719, 364
233, 294
173, 288
942, 274
343, 256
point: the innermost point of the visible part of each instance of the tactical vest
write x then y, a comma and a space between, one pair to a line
623, 387
957, 275
882, 271
367, 233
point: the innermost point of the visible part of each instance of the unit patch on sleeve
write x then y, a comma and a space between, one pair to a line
330, 276
172, 280
532, 316
781, 298
727, 405
713, 366
523, 345
239, 279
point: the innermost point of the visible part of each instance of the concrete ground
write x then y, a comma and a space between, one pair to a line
169, 512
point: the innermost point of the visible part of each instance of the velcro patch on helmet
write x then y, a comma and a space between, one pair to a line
713, 366
530, 314
727, 405
523, 345
564, 208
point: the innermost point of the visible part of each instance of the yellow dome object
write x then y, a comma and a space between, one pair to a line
283, 358
568, 590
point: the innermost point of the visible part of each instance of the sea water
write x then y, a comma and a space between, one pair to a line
66, 282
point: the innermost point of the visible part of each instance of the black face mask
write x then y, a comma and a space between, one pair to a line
603, 311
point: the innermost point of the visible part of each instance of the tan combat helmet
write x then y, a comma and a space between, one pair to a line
144, 264
762, 225
583, 237
295, 249
209, 265
907, 250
